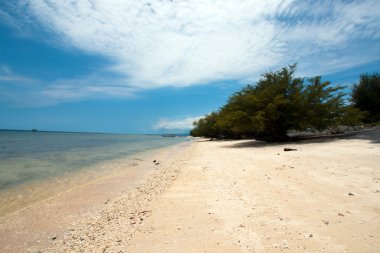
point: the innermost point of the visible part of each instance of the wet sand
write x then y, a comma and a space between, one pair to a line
243, 196
33, 214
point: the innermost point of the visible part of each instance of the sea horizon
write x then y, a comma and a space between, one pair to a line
182, 133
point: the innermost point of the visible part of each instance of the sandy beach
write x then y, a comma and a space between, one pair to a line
229, 196
33, 214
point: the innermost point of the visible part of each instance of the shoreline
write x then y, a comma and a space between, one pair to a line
249, 196
80, 194
20, 196
239, 196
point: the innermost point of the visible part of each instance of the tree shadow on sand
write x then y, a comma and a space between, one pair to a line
372, 135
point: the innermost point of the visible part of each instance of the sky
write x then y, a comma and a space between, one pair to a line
139, 66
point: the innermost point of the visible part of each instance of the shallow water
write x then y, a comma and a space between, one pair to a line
31, 156
35, 166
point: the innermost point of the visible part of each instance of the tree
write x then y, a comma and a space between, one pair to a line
206, 126
366, 96
277, 103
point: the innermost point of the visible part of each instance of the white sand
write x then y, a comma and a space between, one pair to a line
245, 196
30, 217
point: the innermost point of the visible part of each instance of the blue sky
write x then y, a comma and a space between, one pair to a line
156, 66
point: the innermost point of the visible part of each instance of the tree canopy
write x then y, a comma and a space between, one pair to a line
366, 96
277, 103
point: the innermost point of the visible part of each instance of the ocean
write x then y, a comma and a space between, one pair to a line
29, 156
35, 166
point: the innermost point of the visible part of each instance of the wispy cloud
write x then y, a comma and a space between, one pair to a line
180, 43
176, 124
8, 76
22, 90
89, 87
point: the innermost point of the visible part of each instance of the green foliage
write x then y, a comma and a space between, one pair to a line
206, 126
366, 96
277, 103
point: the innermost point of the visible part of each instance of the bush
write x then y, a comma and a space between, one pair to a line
366, 96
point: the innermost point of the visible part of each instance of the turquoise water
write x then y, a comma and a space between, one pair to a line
31, 156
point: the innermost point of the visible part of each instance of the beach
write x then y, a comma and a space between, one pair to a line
222, 196
34, 213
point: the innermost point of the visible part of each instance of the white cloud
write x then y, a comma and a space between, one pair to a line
176, 124
180, 43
